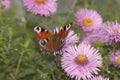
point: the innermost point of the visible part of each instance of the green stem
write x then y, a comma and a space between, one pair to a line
114, 47
53, 76
19, 62
10, 38
12, 76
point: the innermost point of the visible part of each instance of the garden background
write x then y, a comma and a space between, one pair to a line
20, 56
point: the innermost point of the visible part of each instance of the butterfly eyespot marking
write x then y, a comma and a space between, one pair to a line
37, 29
68, 26
43, 42
62, 40
46, 30
61, 28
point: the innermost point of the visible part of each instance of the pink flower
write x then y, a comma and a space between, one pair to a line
41, 7
99, 78
88, 19
90, 38
6, 4
115, 58
99, 35
113, 30
108, 33
81, 61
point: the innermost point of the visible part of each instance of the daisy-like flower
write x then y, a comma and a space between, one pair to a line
88, 19
108, 33
6, 4
42, 7
99, 78
81, 61
113, 30
115, 58
71, 39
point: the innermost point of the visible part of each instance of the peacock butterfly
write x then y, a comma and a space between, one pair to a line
52, 41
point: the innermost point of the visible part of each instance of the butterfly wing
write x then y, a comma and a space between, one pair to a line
59, 37
44, 38
51, 42
64, 30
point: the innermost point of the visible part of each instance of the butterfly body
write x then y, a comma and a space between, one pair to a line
52, 41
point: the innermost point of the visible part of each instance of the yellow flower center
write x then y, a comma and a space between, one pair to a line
40, 1
81, 59
87, 22
118, 60
117, 30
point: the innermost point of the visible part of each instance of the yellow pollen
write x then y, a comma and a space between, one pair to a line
40, 1
118, 60
81, 59
117, 30
87, 22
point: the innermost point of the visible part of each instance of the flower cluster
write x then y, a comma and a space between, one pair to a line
95, 29
78, 60
115, 58
82, 60
108, 33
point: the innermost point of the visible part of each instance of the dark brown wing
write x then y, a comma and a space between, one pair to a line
59, 37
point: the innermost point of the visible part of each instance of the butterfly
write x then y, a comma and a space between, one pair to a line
52, 41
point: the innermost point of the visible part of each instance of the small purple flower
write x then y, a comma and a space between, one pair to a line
42, 7
88, 19
6, 4
81, 61
71, 39
99, 78
115, 58
108, 33
114, 31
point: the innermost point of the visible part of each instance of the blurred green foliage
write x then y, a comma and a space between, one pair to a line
20, 56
